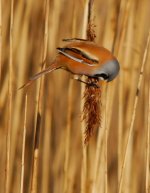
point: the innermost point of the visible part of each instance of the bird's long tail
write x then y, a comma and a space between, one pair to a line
51, 68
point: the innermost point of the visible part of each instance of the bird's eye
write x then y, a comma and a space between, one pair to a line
104, 76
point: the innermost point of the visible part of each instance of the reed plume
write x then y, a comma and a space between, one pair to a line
92, 94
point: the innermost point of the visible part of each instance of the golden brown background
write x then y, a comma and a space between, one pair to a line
30, 31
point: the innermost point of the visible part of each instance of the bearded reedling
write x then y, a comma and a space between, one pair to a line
82, 57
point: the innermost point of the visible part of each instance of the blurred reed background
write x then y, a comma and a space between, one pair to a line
117, 157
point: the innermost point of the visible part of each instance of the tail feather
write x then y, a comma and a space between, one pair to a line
38, 75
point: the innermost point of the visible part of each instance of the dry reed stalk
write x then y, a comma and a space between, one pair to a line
84, 161
46, 152
34, 177
84, 148
22, 46
46, 155
106, 140
118, 45
100, 184
100, 180
85, 19
92, 95
147, 182
69, 118
118, 48
74, 21
35, 171
134, 113
85, 103
37, 122
131, 68
8, 135
114, 49
109, 41
98, 155
48, 119
4, 186
23, 146
39, 107
67, 145
111, 105
100, 164
0, 40
55, 21
91, 107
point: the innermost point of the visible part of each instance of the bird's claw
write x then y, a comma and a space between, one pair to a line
87, 83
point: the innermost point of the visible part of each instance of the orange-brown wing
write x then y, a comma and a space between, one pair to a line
78, 56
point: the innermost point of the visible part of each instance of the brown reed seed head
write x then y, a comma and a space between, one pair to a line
92, 97
91, 109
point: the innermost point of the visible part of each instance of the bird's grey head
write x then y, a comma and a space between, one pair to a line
108, 71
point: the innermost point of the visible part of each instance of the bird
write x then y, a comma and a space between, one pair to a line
82, 57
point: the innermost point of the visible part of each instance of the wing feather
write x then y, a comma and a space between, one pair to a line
76, 55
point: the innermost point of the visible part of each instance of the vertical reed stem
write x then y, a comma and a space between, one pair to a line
134, 113
123, 29
0, 40
39, 106
84, 148
67, 146
106, 140
147, 184
8, 137
23, 146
